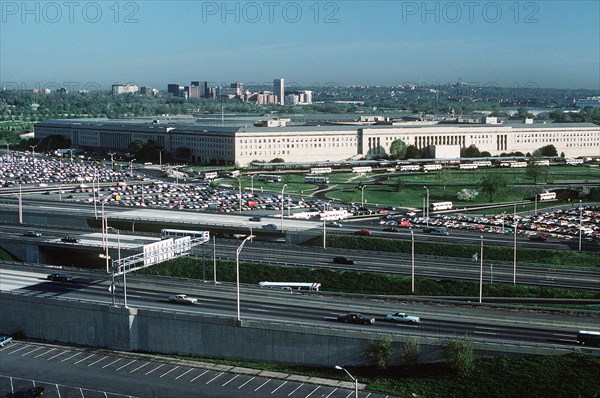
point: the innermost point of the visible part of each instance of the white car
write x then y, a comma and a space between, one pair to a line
4, 340
182, 299
402, 317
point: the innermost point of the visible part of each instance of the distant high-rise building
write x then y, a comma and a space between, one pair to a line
192, 91
279, 90
118, 89
239, 88
174, 89
308, 97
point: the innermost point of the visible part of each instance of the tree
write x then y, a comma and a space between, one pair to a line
492, 184
412, 152
277, 160
535, 170
444, 176
466, 195
379, 353
459, 354
411, 352
471, 152
548, 150
398, 149
523, 113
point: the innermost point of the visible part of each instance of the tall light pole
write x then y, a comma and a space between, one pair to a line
160, 158
580, 222
33, 150
354, 379
252, 183
71, 153
515, 246
481, 272
240, 186
324, 234
113, 268
112, 160
282, 188
237, 273
427, 205
412, 240
362, 194
131, 167
8, 149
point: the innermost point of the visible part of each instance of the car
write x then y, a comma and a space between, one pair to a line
363, 232
343, 260
439, 232
33, 392
4, 340
255, 218
402, 317
269, 226
538, 238
182, 299
356, 317
334, 224
391, 229
60, 277
69, 239
33, 234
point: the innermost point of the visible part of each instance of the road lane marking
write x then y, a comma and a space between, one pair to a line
95, 362
253, 377
81, 360
57, 355
311, 393
44, 353
297, 388
259, 387
115, 361
181, 375
203, 373
139, 367
230, 380
72, 356
27, 353
166, 373
160, 366
216, 377
282, 384
127, 364
331, 393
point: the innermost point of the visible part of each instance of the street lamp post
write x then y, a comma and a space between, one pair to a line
427, 206
237, 273
112, 160
515, 245
8, 150
282, 188
362, 195
240, 187
71, 153
33, 150
412, 239
580, 222
119, 262
354, 379
252, 183
131, 167
324, 234
481, 272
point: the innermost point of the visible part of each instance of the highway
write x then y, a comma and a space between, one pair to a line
437, 320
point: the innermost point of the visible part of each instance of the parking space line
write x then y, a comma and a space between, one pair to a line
368, 395
259, 387
127, 364
164, 374
81, 360
203, 373
115, 361
95, 362
282, 384
230, 380
312, 392
349, 394
45, 352
29, 352
297, 388
158, 367
139, 367
216, 377
18, 349
253, 377
57, 355
72, 356
331, 393
183, 374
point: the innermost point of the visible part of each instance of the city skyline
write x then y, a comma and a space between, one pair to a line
552, 44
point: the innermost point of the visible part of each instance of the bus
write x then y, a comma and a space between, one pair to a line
467, 166
518, 164
314, 286
269, 177
317, 180
320, 170
542, 162
181, 233
547, 196
574, 161
210, 175
441, 206
409, 167
483, 163
585, 337
430, 167
362, 169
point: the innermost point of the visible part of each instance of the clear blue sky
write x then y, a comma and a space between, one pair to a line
511, 43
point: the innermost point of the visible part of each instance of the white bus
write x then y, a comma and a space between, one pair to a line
574, 161
429, 167
409, 167
320, 170
269, 177
542, 162
333, 215
180, 233
210, 175
316, 180
518, 164
467, 166
234, 174
441, 206
547, 196
362, 169
291, 285
483, 163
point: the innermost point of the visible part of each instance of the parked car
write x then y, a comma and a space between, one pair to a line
33, 392
269, 226
60, 277
33, 234
343, 260
355, 317
4, 340
70, 239
364, 232
538, 238
182, 299
255, 218
402, 317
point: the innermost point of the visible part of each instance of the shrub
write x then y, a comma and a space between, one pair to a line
379, 353
459, 355
411, 352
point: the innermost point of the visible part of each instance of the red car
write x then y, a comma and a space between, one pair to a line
363, 232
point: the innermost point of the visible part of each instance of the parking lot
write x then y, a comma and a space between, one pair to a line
99, 373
